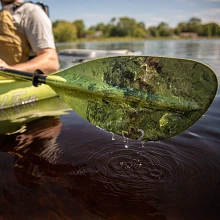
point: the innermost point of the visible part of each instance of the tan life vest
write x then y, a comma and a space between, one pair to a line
14, 47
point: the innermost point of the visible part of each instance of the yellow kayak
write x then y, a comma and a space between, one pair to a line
13, 119
15, 92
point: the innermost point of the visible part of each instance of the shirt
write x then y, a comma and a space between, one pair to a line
31, 20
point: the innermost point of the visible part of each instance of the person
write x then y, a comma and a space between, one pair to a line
32, 21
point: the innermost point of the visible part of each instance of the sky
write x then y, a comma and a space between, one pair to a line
151, 12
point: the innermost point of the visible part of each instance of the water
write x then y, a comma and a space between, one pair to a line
65, 168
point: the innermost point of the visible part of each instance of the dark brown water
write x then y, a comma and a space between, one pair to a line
62, 167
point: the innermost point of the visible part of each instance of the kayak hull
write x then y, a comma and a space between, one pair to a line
15, 118
19, 92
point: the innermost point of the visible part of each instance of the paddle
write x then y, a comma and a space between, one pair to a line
151, 97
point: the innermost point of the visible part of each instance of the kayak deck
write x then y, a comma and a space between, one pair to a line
19, 92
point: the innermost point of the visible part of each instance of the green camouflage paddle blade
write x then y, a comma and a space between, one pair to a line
156, 97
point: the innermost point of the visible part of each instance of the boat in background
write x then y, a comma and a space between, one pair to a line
14, 92
81, 55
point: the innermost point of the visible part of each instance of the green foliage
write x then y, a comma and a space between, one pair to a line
195, 26
181, 27
64, 31
80, 26
100, 27
154, 32
210, 29
139, 32
164, 30
128, 27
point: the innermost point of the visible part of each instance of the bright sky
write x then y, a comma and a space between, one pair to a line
151, 12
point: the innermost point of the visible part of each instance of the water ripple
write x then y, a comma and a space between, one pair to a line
135, 169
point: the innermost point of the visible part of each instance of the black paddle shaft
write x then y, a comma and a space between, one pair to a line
37, 77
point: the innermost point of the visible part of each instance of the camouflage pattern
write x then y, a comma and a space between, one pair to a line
153, 97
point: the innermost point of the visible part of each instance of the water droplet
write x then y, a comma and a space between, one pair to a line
142, 134
125, 139
113, 136
99, 128
126, 142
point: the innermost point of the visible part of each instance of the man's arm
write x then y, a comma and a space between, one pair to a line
46, 60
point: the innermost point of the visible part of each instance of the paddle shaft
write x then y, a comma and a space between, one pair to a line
37, 77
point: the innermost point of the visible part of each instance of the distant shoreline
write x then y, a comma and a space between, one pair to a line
127, 39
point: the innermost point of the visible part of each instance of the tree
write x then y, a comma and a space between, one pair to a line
214, 29
139, 32
195, 21
194, 25
64, 31
127, 27
113, 20
100, 27
80, 26
210, 30
181, 27
153, 31
90, 31
164, 29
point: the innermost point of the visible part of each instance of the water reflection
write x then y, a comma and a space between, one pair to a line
91, 174
62, 171
132, 46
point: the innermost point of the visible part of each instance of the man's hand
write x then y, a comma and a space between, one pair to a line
3, 64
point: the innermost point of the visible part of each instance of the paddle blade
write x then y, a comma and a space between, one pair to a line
152, 97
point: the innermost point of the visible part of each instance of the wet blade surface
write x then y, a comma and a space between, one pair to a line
151, 97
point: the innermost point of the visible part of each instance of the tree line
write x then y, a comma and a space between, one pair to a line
65, 31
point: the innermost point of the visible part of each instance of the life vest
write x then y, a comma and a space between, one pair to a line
14, 46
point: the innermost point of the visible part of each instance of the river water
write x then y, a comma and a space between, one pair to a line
62, 167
